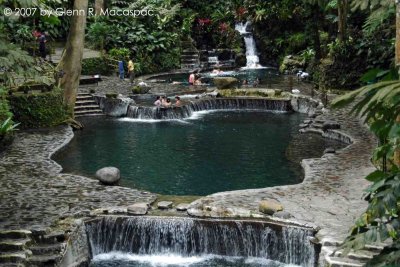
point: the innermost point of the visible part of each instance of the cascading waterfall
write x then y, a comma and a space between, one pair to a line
186, 111
193, 237
251, 50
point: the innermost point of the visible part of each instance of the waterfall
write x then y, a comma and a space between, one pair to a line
251, 50
195, 237
186, 111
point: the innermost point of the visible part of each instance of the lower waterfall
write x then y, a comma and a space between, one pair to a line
193, 237
186, 111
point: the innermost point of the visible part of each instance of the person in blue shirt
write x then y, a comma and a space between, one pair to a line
121, 69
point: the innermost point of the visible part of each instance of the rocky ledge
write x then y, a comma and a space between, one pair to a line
36, 197
329, 198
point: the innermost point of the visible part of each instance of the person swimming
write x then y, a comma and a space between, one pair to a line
168, 103
178, 102
158, 101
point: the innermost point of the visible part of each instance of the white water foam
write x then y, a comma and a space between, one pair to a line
152, 120
196, 115
177, 260
251, 50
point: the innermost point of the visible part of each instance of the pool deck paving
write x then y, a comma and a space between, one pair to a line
35, 194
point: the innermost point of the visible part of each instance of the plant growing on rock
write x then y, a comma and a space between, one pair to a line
7, 127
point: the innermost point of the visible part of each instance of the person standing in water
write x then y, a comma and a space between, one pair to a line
157, 102
192, 78
178, 102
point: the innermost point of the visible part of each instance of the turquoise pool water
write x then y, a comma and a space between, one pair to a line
214, 152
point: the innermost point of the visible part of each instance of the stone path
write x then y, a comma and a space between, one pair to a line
87, 53
330, 196
34, 194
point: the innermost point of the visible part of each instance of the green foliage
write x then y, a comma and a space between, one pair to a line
4, 106
39, 110
379, 106
119, 53
97, 34
7, 127
93, 66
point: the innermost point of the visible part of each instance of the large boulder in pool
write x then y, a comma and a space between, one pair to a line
270, 206
225, 82
108, 175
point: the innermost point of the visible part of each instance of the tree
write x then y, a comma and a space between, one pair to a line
70, 64
343, 8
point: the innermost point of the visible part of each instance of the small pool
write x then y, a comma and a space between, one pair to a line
212, 152
269, 78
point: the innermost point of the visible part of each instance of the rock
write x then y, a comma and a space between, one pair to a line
307, 121
278, 92
270, 206
240, 60
291, 64
303, 125
329, 150
108, 175
182, 207
330, 125
283, 215
225, 82
164, 205
138, 209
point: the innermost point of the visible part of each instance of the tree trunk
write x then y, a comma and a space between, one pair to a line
343, 7
396, 158
397, 60
98, 6
71, 60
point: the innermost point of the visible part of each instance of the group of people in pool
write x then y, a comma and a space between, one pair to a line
165, 102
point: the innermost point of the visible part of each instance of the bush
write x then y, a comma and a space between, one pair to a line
4, 106
93, 66
39, 110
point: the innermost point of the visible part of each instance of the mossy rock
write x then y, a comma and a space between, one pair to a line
270, 206
38, 110
291, 64
140, 90
240, 60
111, 95
225, 82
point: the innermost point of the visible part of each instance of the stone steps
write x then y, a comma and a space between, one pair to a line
90, 106
14, 247
12, 265
16, 257
190, 57
335, 258
86, 106
15, 234
47, 249
44, 260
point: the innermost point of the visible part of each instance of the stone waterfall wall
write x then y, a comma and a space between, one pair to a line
77, 252
115, 107
191, 237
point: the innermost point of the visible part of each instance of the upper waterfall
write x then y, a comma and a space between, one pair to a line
251, 50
